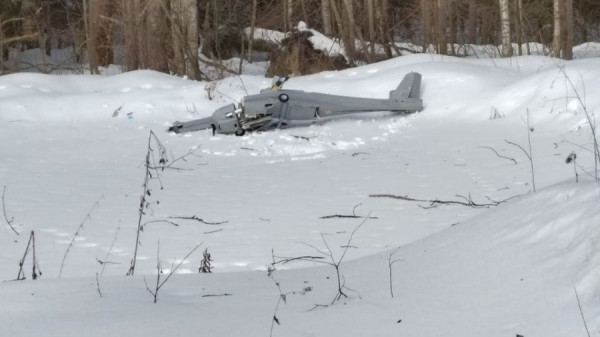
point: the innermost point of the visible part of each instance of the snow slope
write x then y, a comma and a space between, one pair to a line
71, 141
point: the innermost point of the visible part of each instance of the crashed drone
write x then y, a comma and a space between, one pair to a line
277, 108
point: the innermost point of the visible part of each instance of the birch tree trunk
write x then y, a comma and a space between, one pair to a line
518, 5
556, 41
507, 50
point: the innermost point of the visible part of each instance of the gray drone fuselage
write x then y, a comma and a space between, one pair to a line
272, 109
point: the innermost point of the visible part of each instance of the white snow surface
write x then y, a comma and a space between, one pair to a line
71, 142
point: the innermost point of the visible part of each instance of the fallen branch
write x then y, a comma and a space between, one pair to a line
347, 216
467, 201
217, 295
498, 154
195, 218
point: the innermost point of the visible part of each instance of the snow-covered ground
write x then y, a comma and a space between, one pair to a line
73, 150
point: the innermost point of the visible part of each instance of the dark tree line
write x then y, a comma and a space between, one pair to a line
165, 35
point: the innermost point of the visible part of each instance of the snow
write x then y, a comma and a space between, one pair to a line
69, 141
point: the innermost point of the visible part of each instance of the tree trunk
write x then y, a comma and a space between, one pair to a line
507, 50
453, 19
351, 24
131, 52
556, 41
382, 26
252, 28
326, 16
102, 23
184, 26
568, 28
290, 13
157, 38
441, 20
88, 23
343, 31
427, 21
518, 6
472, 23
371, 19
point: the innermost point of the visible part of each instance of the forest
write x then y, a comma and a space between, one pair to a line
165, 35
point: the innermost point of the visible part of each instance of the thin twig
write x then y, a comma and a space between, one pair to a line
9, 222
109, 251
195, 218
347, 216
158, 221
217, 295
98, 286
390, 264
581, 312
498, 154
79, 228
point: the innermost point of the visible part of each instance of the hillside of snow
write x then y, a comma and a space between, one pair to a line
73, 150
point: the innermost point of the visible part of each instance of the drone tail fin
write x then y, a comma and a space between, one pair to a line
410, 87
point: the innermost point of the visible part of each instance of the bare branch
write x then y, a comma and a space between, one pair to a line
436, 202
195, 218
498, 154
9, 222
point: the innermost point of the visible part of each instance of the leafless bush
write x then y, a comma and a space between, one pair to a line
206, 263
156, 162
328, 257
